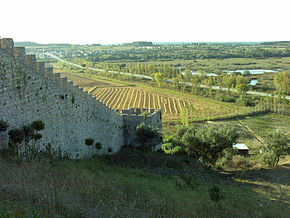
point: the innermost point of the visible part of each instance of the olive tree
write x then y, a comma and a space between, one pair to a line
278, 146
207, 143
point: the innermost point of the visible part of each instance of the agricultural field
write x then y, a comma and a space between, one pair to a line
88, 84
119, 95
171, 106
263, 125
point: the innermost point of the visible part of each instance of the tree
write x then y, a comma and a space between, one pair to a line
158, 78
184, 116
228, 81
175, 82
195, 81
278, 147
282, 82
242, 89
187, 75
207, 144
241, 80
209, 82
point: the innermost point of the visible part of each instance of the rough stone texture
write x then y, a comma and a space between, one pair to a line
133, 117
30, 92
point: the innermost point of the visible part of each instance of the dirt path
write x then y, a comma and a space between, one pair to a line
250, 131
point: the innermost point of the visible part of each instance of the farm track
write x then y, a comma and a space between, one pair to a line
250, 131
126, 97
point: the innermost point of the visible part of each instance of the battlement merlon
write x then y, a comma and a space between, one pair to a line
31, 61
57, 78
40, 68
48, 72
7, 45
19, 54
64, 83
70, 86
138, 111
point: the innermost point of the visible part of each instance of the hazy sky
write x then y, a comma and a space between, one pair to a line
117, 21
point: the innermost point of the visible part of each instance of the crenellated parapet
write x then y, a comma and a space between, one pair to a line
7, 45
18, 56
140, 114
133, 117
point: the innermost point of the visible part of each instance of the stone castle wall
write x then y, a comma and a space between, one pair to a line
133, 117
29, 92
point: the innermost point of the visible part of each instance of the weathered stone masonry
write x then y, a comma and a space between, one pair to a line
29, 92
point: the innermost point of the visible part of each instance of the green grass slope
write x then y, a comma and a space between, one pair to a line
137, 184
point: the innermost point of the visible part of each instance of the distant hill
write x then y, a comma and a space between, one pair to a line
23, 44
139, 44
58, 45
276, 43
98, 44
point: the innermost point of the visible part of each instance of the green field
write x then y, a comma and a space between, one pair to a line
263, 125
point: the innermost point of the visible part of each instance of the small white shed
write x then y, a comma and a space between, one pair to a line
242, 148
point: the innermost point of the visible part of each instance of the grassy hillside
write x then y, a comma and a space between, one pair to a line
138, 184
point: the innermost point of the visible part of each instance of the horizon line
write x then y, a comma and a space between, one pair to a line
154, 42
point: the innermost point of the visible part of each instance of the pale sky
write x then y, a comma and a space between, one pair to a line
118, 21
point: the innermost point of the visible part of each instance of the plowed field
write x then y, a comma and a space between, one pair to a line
171, 106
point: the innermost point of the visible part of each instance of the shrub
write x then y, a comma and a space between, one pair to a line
148, 135
38, 125
226, 159
244, 102
241, 162
215, 194
28, 133
19, 140
225, 98
98, 145
89, 141
269, 159
37, 136
169, 148
110, 149
16, 136
3, 126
